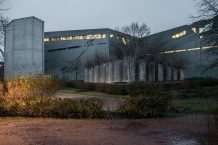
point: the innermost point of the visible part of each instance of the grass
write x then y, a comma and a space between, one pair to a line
195, 107
95, 94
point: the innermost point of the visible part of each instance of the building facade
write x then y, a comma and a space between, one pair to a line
64, 54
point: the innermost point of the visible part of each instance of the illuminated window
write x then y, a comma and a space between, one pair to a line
111, 35
124, 41
194, 30
63, 38
104, 36
70, 38
55, 39
47, 39
181, 50
179, 34
89, 37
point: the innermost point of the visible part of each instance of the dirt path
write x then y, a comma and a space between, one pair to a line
175, 131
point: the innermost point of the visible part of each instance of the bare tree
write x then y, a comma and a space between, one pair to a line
4, 21
132, 43
208, 11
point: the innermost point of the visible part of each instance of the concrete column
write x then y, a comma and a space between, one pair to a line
160, 72
102, 73
142, 71
174, 74
131, 70
86, 75
96, 74
152, 71
91, 74
117, 71
181, 75
125, 71
109, 72
168, 73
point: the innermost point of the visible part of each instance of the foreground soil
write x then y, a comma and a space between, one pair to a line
168, 131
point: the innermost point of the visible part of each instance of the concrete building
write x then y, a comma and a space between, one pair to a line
186, 42
24, 47
67, 51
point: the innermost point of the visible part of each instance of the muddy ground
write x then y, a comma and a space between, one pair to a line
168, 131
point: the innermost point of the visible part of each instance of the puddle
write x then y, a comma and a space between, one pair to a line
181, 140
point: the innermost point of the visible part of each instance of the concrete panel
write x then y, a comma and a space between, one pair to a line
117, 71
91, 74
142, 71
109, 72
160, 73
96, 74
131, 69
174, 74
86, 75
152, 71
24, 47
102, 73
181, 75
125, 71
168, 73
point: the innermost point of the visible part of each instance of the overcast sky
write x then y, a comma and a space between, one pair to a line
60, 15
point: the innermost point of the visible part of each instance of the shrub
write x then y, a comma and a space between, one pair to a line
116, 89
2, 89
150, 106
51, 107
142, 89
31, 86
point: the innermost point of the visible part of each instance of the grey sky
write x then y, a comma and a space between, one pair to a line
59, 15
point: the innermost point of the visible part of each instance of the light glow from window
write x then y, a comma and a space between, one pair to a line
179, 35
94, 36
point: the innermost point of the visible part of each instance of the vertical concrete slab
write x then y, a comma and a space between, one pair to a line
102, 73
117, 71
181, 75
168, 73
160, 72
174, 74
91, 74
109, 72
125, 71
24, 47
86, 75
131, 69
142, 71
152, 71
96, 74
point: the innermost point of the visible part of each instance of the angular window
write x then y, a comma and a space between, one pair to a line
179, 34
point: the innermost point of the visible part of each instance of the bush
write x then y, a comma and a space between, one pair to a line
150, 106
51, 107
116, 89
31, 86
200, 82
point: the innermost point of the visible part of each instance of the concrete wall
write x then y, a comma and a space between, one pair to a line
124, 71
24, 47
